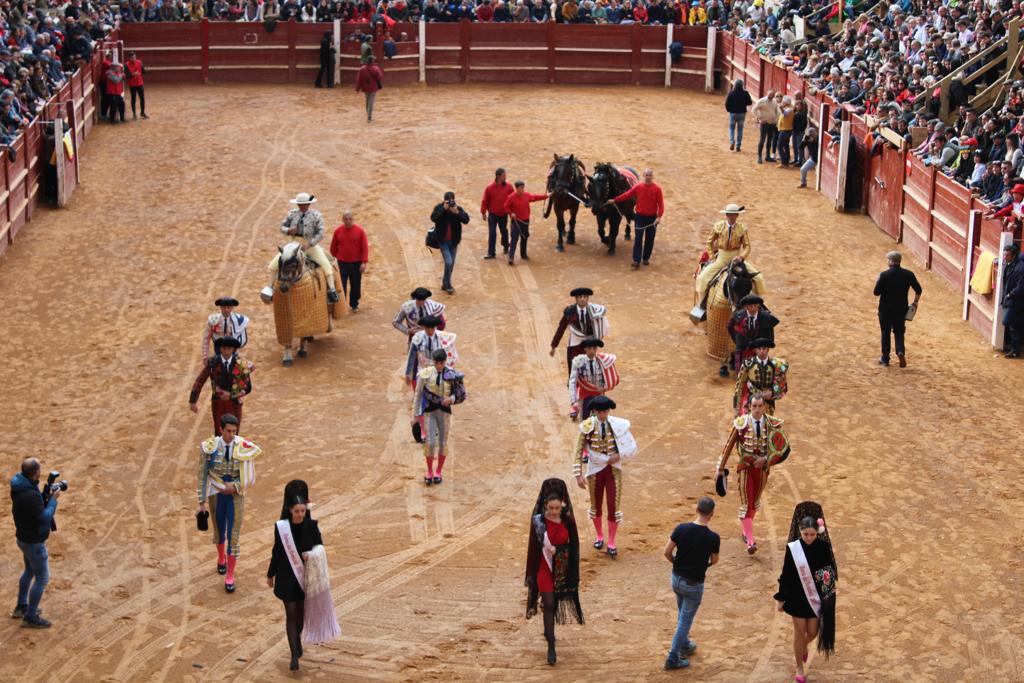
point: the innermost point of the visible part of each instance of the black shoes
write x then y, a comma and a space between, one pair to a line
598, 544
438, 479
723, 371
19, 612
883, 361
222, 568
489, 257
903, 359
613, 552
332, 297
35, 622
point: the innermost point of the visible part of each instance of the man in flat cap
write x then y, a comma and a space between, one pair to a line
583, 319
227, 323
761, 376
751, 321
603, 443
591, 374
230, 377
760, 443
407, 320
892, 288
306, 225
423, 344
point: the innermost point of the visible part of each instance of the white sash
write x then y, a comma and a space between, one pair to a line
803, 569
548, 552
284, 530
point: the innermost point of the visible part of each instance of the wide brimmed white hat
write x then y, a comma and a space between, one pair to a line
303, 198
733, 208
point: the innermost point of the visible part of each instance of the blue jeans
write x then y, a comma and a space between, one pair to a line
807, 167
736, 122
688, 597
643, 243
494, 224
448, 252
37, 566
783, 145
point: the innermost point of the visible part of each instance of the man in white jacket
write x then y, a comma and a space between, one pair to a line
766, 111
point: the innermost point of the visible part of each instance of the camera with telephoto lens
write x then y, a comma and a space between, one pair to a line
53, 485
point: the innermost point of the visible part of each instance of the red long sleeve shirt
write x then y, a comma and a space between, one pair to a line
349, 245
649, 200
494, 198
519, 204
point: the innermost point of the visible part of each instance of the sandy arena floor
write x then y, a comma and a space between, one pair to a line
102, 309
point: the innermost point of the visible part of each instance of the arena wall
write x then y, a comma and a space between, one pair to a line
938, 221
21, 176
432, 53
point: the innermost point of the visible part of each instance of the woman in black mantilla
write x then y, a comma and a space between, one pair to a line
809, 548
553, 561
280, 575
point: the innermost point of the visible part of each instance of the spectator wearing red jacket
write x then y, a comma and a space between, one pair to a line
485, 12
349, 246
492, 210
135, 83
517, 205
369, 80
115, 92
650, 207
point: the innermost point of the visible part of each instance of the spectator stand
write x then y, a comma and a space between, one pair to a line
941, 225
21, 171
1004, 53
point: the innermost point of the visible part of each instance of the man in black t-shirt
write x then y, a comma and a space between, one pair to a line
696, 548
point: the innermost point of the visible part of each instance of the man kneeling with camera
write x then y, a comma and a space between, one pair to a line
33, 520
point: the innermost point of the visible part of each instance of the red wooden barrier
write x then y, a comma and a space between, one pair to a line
884, 200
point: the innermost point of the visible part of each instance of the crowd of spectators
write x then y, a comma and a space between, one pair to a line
654, 12
887, 63
42, 46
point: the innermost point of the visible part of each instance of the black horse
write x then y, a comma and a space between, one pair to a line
610, 181
566, 179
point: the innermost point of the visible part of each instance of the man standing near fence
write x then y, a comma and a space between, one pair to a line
349, 246
766, 111
892, 288
369, 80
736, 103
136, 83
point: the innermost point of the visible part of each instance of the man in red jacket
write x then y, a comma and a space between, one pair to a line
349, 246
369, 80
650, 207
492, 210
115, 92
136, 83
518, 205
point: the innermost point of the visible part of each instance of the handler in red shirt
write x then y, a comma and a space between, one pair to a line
115, 92
518, 204
492, 210
349, 246
369, 80
136, 83
650, 207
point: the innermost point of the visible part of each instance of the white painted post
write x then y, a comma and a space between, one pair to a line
972, 224
822, 120
844, 157
709, 79
337, 51
423, 50
1005, 240
668, 56
58, 150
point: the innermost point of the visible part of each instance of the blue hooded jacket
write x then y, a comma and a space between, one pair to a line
31, 518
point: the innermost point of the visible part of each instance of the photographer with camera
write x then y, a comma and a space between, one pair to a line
448, 218
33, 512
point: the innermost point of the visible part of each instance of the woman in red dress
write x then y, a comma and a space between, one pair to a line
553, 561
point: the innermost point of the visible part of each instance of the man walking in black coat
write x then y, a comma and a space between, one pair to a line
892, 288
448, 218
1013, 298
736, 103
326, 73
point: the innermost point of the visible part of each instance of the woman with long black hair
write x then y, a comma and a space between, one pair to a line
807, 586
553, 561
286, 571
